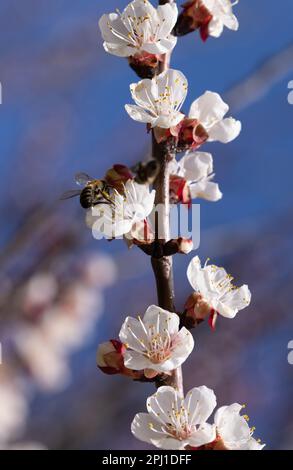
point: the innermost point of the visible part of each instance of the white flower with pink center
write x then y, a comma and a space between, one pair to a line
139, 29
155, 344
173, 422
158, 101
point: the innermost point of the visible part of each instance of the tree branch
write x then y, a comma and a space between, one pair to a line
163, 267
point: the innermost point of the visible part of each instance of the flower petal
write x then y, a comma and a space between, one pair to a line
136, 361
205, 189
139, 114
133, 334
161, 319
168, 15
225, 131
215, 27
176, 82
196, 165
162, 46
204, 435
161, 403
208, 109
109, 22
251, 444
200, 403
165, 122
145, 94
198, 278
231, 426
183, 346
235, 300
231, 22
145, 428
170, 443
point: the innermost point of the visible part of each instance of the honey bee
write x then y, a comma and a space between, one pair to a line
94, 192
146, 172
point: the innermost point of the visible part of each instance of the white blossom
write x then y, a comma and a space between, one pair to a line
222, 15
215, 287
233, 429
13, 409
173, 422
45, 364
155, 343
158, 101
100, 270
197, 169
139, 29
113, 221
209, 110
40, 291
25, 446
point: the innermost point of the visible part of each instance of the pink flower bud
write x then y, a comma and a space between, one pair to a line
191, 135
185, 246
150, 373
194, 16
196, 310
145, 65
179, 190
110, 357
111, 361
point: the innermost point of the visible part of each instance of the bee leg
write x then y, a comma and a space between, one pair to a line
101, 202
108, 199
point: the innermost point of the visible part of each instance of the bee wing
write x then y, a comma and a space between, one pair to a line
83, 179
70, 194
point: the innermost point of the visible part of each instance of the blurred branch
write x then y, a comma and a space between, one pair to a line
261, 81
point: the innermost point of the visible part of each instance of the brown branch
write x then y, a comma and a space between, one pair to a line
163, 267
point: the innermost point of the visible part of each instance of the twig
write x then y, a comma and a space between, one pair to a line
163, 267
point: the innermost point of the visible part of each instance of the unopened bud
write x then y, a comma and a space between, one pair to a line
111, 361
110, 357
145, 65
196, 310
179, 190
191, 135
194, 16
185, 245
150, 373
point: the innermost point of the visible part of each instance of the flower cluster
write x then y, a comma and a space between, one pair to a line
55, 317
177, 423
158, 103
153, 347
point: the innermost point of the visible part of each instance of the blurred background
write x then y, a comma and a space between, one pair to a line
62, 293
